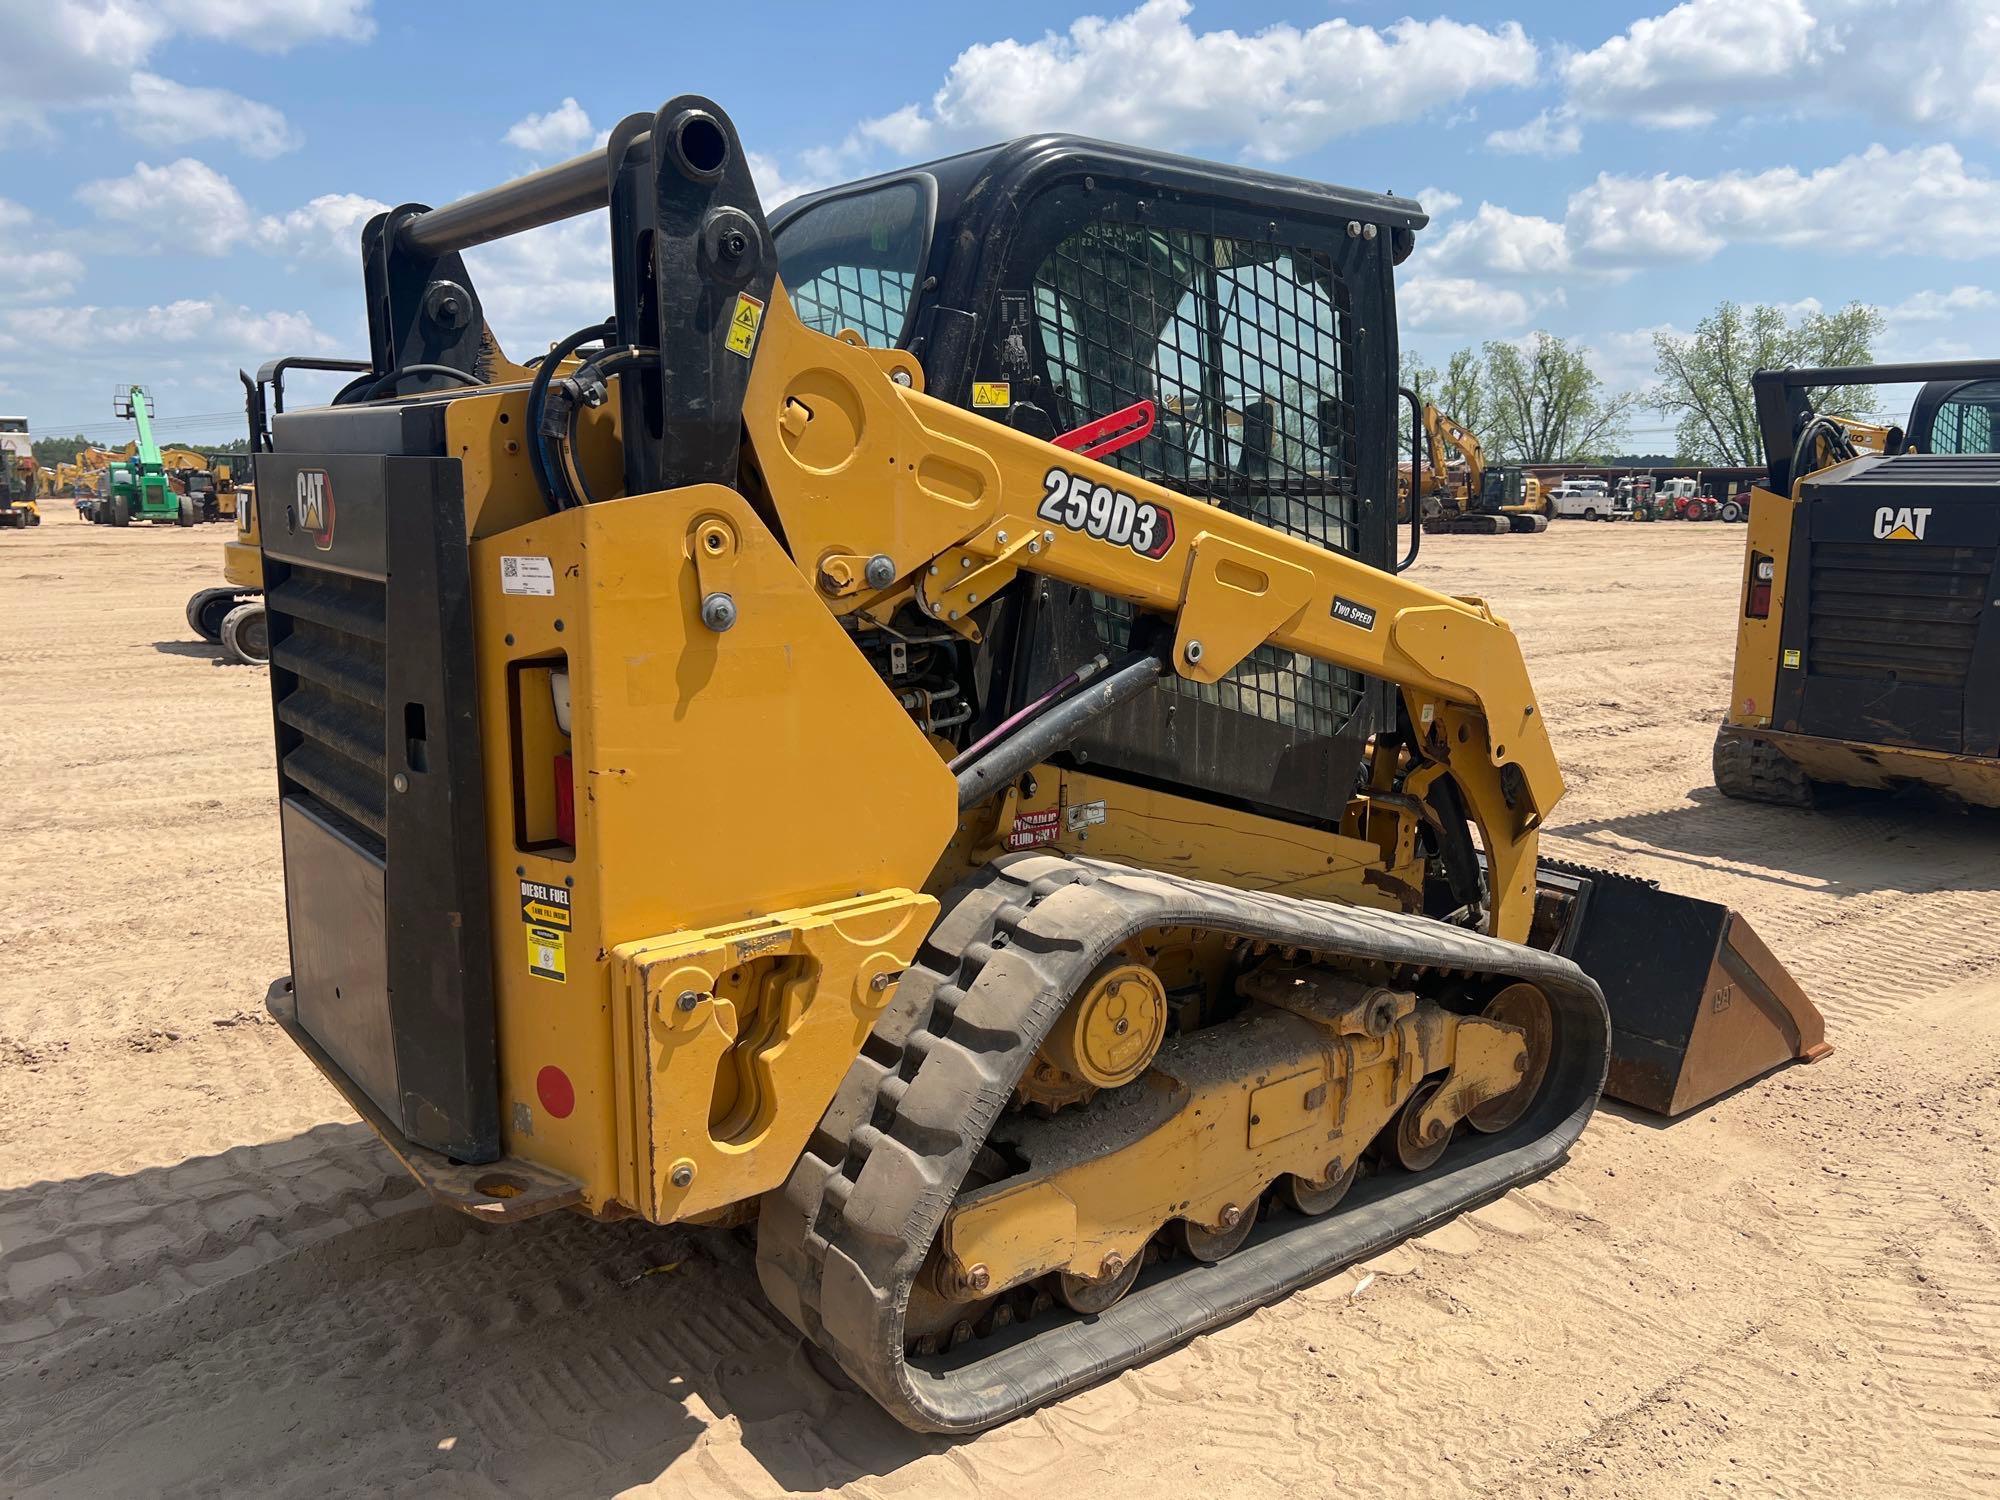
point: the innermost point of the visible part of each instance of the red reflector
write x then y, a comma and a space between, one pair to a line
557, 1093
1760, 601
565, 802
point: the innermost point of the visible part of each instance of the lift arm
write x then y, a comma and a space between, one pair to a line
882, 492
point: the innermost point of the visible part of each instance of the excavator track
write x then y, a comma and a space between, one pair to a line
841, 1245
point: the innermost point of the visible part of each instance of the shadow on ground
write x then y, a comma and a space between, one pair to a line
329, 1325
1873, 842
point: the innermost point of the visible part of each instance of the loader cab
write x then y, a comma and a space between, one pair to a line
1875, 631
1053, 282
1956, 416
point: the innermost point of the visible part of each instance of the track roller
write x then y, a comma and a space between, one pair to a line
927, 1130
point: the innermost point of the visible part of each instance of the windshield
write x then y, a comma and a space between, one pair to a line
853, 261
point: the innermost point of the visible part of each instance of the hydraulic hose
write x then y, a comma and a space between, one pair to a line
1049, 732
447, 371
593, 373
538, 390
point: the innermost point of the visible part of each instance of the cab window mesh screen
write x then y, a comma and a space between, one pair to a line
873, 303
852, 261
1965, 423
1244, 347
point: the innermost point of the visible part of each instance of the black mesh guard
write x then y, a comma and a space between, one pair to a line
1245, 347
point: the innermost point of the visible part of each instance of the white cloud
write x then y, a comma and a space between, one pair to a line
1460, 305
1919, 64
1922, 200
567, 127
775, 185
27, 273
1936, 307
271, 25
172, 114
1498, 242
538, 286
1553, 132
1149, 77
1438, 202
327, 227
162, 205
233, 333
91, 56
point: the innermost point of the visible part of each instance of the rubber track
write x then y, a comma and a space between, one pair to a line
840, 1246
1756, 771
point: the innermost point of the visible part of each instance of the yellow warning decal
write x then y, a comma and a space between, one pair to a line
545, 921
1791, 658
991, 393
546, 959
743, 325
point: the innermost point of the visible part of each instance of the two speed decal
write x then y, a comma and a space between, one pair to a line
1078, 503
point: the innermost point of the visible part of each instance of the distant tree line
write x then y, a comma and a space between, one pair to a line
1537, 400
50, 451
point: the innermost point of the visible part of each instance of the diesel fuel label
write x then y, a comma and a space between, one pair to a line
545, 905
545, 927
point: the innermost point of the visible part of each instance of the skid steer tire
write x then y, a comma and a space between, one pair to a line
245, 638
207, 610
1754, 770
184, 512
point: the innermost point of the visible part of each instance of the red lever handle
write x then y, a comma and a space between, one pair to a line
1102, 435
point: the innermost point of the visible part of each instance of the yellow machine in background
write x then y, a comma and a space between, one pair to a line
863, 742
1868, 644
1464, 494
232, 616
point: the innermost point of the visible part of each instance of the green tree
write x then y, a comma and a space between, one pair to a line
50, 451
1546, 405
1417, 376
1462, 391
1704, 379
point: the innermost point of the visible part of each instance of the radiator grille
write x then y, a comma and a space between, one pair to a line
326, 649
1896, 611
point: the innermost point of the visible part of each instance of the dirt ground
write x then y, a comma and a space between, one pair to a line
212, 1280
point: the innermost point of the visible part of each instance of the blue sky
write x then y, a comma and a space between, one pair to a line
182, 181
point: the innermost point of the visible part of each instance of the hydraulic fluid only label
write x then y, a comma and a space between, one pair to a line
545, 923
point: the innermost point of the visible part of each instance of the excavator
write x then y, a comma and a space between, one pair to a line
1470, 496
1868, 632
914, 734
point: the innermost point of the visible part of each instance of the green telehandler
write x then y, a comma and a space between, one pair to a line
136, 487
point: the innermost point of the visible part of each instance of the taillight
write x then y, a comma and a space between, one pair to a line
565, 801
1763, 572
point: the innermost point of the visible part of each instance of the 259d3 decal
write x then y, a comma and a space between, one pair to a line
1078, 503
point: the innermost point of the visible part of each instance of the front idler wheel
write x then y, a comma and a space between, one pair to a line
1524, 1006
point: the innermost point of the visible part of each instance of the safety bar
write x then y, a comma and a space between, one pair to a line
560, 192
555, 193
1781, 405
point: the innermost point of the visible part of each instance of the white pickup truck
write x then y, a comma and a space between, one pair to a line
1587, 499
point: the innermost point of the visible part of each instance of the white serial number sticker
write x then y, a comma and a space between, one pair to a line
527, 575
1078, 503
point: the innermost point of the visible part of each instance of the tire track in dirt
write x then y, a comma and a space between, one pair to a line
1704, 1308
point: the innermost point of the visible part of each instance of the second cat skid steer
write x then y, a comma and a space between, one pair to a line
910, 734
232, 615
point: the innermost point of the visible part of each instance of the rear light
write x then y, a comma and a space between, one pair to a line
565, 801
1763, 571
